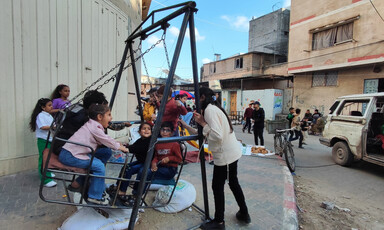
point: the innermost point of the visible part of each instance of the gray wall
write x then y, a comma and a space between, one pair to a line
269, 33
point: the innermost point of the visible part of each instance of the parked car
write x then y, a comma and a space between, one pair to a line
355, 128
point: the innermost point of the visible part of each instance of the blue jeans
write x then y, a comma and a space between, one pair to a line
162, 173
97, 185
132, 168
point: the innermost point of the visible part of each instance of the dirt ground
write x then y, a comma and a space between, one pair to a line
313, 216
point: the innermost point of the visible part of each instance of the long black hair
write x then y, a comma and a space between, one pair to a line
42, 102
210, 98
56, 92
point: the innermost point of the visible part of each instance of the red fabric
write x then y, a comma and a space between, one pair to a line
170, 150
54, 163
381, 136
248, 113
172, 112
193, 157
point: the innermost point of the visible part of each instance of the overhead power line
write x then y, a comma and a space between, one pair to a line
376, 10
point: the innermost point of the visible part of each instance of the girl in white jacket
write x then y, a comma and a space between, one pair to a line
226, 152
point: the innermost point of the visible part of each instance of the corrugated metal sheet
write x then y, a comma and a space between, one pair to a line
48, 42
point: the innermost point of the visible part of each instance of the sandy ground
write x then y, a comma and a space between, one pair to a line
313, 216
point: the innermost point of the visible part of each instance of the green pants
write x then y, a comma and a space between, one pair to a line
41, 146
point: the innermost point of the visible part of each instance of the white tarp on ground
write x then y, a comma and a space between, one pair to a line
183, 197
89, 219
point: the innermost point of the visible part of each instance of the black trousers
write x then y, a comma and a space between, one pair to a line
219, 176
258, 134
298, 135
247, 124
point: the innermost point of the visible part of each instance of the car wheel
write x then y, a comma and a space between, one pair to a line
341, 154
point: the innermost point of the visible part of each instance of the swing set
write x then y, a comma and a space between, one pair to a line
68, 174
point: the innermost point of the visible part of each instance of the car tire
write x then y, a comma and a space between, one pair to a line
341, 154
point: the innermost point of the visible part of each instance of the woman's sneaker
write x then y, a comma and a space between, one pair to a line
243, 217
101, 201
50, 184
213, 224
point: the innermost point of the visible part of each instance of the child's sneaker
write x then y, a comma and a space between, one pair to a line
50, 184
101, 201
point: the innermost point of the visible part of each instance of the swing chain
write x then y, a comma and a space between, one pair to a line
166, 50
103, 76
162, 39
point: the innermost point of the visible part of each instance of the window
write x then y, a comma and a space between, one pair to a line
334, 107
324, 79
239, 63
353, 108
212, 68
333, 36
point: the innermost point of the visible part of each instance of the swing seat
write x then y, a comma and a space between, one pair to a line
54, 163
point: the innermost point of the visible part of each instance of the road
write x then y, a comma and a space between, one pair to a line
359, 188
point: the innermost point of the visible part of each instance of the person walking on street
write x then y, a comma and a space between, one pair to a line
296, 126
222, 142
258, 116
247, 117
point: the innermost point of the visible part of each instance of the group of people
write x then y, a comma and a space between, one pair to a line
86, 124
256, 115
311, 124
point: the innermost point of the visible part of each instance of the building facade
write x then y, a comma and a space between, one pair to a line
244, 78
46, 43
336, 48
269, 33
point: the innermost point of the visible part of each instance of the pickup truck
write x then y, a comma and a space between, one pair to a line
354, 129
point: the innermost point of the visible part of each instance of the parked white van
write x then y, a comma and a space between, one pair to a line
353, 129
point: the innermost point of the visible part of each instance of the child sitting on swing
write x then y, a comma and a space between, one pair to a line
92, 134
140, 149
169, 156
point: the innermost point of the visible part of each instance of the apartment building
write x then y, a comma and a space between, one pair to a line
336, 48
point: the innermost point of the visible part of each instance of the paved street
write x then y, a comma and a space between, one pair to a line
359, 187
262, 180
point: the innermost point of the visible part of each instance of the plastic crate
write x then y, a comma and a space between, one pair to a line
278, 124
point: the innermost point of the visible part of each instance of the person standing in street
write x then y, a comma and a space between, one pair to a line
296, 126
247, 117
226, 153
289, 118
258, 116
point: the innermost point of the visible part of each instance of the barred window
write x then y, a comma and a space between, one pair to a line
324, 79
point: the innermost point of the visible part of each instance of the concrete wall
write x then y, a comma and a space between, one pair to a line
367, 46
271, 100
45, 43
269, 33
321, 98
254, 64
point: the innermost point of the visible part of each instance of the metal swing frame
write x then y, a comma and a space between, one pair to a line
187, 9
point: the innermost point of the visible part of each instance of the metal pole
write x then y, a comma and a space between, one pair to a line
136, 80
197, 102
118, 76
156, 129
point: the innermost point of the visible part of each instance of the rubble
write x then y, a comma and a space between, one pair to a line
327, 205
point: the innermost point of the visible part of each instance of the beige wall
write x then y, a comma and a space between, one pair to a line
254, 64
367, 45
349, 82
46, 43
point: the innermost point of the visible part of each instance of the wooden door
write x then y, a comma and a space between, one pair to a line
233, 106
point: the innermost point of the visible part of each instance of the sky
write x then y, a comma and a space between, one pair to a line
221, 27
